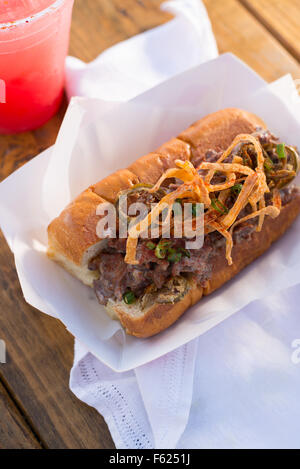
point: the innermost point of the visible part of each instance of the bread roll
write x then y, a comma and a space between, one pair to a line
73, 241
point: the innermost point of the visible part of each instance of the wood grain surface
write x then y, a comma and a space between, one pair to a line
281, 18
38, 408
40, 356
14, 432
99, 24
238, 31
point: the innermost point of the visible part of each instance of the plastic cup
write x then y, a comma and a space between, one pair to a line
34, 40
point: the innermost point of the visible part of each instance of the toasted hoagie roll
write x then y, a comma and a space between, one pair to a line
227, 161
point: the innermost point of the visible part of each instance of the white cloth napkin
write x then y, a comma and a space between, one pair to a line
244, 391
133, 66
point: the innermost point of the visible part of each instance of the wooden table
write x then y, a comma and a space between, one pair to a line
37, 410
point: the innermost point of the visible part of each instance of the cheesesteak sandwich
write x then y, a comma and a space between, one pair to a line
228, 163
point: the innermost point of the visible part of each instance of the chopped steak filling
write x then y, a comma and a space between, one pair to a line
117, 277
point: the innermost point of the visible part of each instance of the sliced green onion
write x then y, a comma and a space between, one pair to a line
175, 257
186, 253
151, 245
217, 205
295, 158
236, 189
129, 298
268, 164
280, 150
161, 249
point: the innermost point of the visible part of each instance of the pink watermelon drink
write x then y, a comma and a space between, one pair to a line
34, 39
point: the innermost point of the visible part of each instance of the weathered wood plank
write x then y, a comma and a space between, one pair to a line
281, 18
16, 150
14, 432
99, 24
40, 356
239, 32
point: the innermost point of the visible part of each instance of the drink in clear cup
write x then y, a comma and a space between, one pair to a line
34, 39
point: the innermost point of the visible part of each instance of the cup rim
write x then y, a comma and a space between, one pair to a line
29, 19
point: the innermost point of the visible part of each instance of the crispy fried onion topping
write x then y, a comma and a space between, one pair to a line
199, 188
